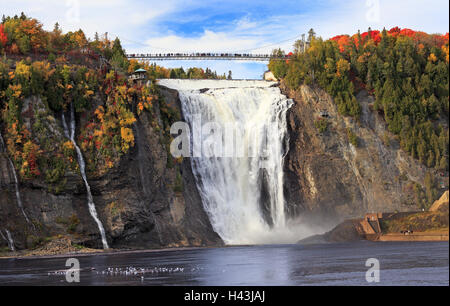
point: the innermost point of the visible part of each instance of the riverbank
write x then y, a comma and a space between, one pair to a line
49, 251
432, 225
55, 247
350, 231
416, 236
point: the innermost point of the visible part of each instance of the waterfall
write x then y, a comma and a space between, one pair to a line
16, 181
71, 135
4, 238
8, 239
11, 241
242, 187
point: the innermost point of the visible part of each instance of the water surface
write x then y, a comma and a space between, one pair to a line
405, 263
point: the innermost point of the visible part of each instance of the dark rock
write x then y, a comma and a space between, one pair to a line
135, 200
264, 201
346, 231
327, 179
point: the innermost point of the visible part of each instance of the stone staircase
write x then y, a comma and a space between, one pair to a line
370, 225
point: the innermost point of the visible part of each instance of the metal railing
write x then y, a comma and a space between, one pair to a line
206, 56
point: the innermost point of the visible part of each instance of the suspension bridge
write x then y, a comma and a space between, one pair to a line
207, 56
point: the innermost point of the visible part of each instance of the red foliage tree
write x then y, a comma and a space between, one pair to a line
3, 36
421, 38
374, 35
394, 31
407, 32
289, 56
342, 41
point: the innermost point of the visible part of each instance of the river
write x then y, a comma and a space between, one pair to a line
401, 263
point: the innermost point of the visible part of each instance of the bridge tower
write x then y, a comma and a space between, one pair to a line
303, 43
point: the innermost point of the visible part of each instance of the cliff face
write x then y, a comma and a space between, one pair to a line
145, 201
136, 200
441, 204
328, 179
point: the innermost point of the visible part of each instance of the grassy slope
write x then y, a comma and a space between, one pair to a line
417, 222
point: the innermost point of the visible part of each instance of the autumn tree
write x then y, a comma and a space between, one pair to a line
3, 37
406, 71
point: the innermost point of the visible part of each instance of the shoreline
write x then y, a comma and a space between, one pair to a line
98, 252
417, 236
397, 227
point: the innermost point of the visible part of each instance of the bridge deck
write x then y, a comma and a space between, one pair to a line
208, 56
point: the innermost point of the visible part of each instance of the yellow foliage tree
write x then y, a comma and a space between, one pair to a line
432, 58
128, 138
342, 67
23, 70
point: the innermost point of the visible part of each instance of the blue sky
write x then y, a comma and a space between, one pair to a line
228, 26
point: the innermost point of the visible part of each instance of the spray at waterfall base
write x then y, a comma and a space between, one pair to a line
235, 135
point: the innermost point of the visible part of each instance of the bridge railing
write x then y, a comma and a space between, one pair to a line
206, 56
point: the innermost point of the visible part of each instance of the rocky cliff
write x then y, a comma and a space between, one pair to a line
142, 201
336, 168
441, 204
348, 167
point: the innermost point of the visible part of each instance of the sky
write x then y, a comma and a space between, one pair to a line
228, 26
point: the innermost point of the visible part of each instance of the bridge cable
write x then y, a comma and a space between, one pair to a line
237, 51
289, 39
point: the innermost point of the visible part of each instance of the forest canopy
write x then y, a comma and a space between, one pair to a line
406, 71
44, 73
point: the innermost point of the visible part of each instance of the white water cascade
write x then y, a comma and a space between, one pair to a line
71, 135
8, 239
242, 187
11, 241
16, 181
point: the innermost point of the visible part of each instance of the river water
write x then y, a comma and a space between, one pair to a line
401, 263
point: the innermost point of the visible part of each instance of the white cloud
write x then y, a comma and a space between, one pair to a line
117, 17
209, 41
